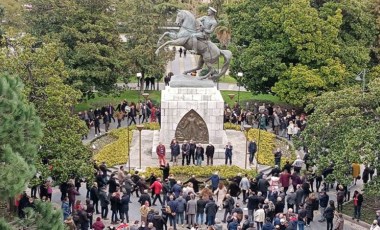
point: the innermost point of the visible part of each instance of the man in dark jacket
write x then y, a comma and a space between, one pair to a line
299, 197
158, 221
263, 186
185, 153
201, 204
195, 183
228, 205
211, 209
112, 184
253, 204
192, 152
173, 210
104, 202
252, 148
144, 197
210, 150
323, 202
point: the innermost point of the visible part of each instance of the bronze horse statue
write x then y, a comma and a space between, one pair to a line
208, 51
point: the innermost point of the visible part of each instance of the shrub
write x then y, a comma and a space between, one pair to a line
268, 144
232, 126
202, 171
116, 152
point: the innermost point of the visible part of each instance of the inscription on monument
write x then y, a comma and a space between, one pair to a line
192, 127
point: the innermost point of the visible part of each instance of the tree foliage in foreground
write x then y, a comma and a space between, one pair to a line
344, 128
43, 73
20, 134
43, 216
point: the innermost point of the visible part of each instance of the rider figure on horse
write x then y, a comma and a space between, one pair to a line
208, 24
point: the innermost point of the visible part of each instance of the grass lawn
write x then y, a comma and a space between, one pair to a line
367, 214
227, 79
155, 96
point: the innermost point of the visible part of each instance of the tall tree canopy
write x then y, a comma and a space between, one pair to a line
43, 73
20, 135
297, 50
344, 128
87, 29
142, 20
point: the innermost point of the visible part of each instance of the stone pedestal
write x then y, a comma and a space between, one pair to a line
177, 100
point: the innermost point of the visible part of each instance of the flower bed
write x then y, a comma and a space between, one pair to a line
116, 152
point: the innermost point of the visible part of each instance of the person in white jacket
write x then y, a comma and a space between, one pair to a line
259, 217
375, 226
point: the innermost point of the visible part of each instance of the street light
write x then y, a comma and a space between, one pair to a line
140, 127
240, 75
358, 78
246, 128
145, 95
129, 154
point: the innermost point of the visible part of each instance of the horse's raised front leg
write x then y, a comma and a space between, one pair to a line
199, 66
172, 35
177, 42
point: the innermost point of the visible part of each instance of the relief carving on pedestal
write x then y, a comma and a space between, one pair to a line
192, 127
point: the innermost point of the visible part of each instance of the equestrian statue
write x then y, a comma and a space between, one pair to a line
194, 34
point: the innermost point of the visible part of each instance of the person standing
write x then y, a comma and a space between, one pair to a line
277, 157
323, 202
124, 213
244, 187
199, 154
211, 209
185, 153
104, 202
228, 153
160, 150
144, 210
191, 210
302, 215
355, 171
193, 146
172, 212
259, 217
106, 121
252, 148
329, 215
210, 150
97, 125
180, 52
358, 201
175, 150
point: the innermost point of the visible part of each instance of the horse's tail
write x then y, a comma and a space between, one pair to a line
227, 55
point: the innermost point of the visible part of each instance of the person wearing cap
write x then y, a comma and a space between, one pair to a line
207, 24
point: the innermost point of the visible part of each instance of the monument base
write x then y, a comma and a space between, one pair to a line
192, 109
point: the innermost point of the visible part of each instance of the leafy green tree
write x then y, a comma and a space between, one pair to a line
274, 41
344, 128
20, 135
88, 32
43, 216
143, 19
43, 74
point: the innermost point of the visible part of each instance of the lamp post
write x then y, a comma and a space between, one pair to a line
140, 127
246, 128
240, 75
145, 95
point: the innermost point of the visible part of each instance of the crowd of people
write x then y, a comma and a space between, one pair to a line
286, 198
283, 122
134, 113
